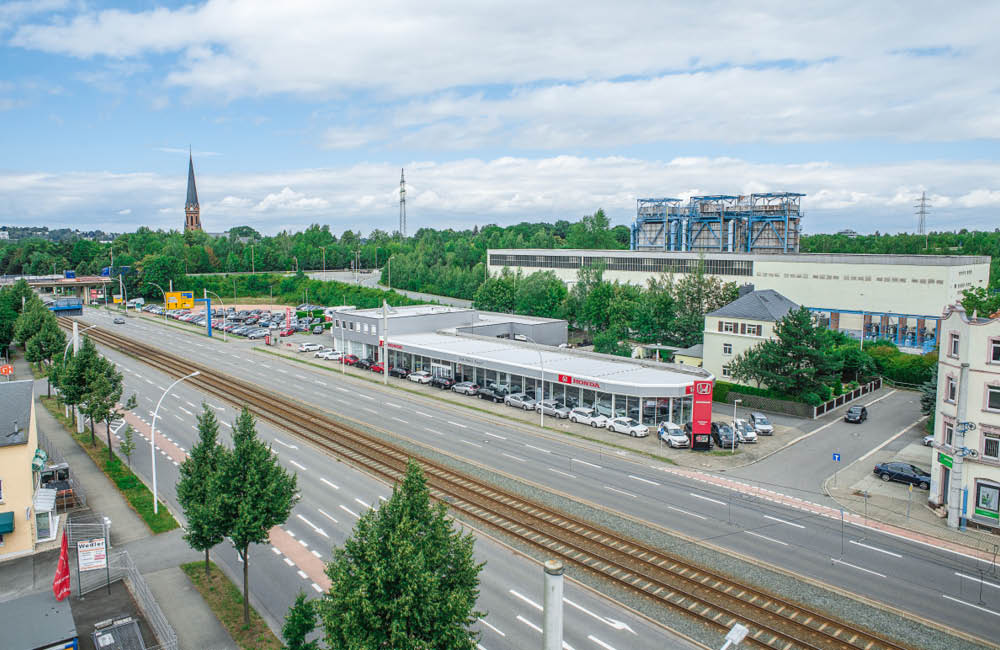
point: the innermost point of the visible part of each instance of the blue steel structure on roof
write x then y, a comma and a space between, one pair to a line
766, 222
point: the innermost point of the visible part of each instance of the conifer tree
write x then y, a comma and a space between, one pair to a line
195, 489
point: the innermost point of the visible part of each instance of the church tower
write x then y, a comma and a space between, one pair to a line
192, 213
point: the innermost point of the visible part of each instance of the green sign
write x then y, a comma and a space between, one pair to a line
944, 459
987, 513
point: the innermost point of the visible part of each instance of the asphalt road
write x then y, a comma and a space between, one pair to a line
911, 576
333, 496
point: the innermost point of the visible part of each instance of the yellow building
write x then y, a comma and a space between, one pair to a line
739, 326
692, 356
18, 442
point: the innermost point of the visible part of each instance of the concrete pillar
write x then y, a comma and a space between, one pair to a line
76, 350
552, 626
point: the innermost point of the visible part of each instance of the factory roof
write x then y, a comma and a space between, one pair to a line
821, 258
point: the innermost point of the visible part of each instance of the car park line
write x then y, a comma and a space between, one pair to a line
489, 625
349, 511
704, 498
770, 539
855, 566
875, 548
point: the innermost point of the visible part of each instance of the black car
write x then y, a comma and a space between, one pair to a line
493, 392
904, 473
857, 414
400, 372
443, 383
365, 364
724, 436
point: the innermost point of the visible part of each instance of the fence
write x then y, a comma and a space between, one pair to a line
840, 400
71, 494
800, 409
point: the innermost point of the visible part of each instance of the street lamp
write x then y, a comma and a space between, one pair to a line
541, 365
223, 313
164, 299
388, 264
735, 402
323, 248
152, 432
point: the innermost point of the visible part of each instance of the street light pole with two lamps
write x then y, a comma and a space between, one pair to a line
152, 433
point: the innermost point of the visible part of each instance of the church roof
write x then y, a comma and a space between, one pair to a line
192, 194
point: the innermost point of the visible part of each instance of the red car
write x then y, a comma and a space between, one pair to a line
286, 332
349, 359
377, 367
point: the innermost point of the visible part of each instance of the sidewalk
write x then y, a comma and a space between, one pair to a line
158, 558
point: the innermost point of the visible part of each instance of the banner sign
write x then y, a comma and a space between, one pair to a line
179, 299
568, 379
701, 412
91, 555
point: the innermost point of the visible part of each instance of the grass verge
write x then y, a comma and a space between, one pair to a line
226, 602
132, 488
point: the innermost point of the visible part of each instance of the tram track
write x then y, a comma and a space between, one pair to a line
714, 599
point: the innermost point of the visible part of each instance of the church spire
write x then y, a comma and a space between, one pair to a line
192, 212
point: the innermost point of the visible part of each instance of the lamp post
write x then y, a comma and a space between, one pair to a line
152, 433
223, 314
323, 248
541, 366
164, 299
735, 402
388, 264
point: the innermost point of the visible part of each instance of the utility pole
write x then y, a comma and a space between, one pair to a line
922, 207
961, 426
552, 626
385, 342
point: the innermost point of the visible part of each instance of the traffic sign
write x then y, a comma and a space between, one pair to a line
836, 458
7, 369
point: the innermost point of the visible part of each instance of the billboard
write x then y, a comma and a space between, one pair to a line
118, 298
701, 412
179, 300
91, 554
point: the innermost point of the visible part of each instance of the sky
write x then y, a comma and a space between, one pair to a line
304, 111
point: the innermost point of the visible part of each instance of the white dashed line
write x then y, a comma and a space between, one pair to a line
471, 443
512, 456
318, 589
289, 562
854, 566
326, 514
552, 469
317, 553
297, 465
770, 539
276, 551
302, 574
686, 512
185, 410
400, 420
349, 511
875, 548
782, 521
704, 498
529, 624
432, 431
363, 503
423, 414
985, 582
583, 462
604, 645
608, 487
494, 435
323, 480
487, 624
982, 609
227, 424
395, 406
644, 480
462, 426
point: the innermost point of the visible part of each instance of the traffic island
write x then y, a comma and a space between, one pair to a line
226, 602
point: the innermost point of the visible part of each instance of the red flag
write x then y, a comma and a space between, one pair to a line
60, 584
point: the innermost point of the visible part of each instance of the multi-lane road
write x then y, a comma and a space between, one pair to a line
912, 576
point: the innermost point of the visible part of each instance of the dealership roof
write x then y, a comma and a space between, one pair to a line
575, 363
481, 317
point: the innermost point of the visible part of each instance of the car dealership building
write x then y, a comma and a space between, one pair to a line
521, 353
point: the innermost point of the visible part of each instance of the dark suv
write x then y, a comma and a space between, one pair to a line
724, 436
493, 392
398, 371
364, 364
442, 382
856, 414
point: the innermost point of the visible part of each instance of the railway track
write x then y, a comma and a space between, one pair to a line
714, 599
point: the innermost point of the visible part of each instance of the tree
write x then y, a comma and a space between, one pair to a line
928, 393
592, 231
695, 295
254, 494
30, 321
421, 595
609, 341
103, 390
127, 445
45, 345
981, 301
299, 623
540, 294
74, 376
195, 489
132, 402
754, 364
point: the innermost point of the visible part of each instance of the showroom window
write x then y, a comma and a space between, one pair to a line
988, 500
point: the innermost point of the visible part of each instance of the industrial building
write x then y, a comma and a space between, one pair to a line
521, 353
887, 296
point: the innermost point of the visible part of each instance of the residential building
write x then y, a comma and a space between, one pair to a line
692, 356
739, 326
18, 442
976, 341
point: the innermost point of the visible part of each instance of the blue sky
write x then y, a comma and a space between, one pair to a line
304, 111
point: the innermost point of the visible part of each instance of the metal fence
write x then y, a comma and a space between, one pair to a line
72, 496
840, 400
150, 608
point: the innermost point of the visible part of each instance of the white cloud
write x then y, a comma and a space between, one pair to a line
126, 211
471, 191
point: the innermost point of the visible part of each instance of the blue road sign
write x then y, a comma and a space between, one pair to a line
836, 457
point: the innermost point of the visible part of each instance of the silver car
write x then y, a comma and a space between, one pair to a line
589, 416
553, 408
745, 431
466, 388
520, 400
761, 424
628, 425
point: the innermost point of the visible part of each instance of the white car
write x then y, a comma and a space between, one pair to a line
309, 347
745, 431
632, 427
673, 435
331, 355
420, 376
584, 415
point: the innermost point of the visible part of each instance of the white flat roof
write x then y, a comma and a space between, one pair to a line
823, 258
406, 310
610, 374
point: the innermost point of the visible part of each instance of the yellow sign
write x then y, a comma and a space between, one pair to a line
118, 299
179, 300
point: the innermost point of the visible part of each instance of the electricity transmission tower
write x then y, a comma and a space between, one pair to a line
922, 206
402, 204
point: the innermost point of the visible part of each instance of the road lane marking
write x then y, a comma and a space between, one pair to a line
525, 599
859, 568
297, 464
875, 548
400, 420
276, 551
289, 562
704, 498
604, 645
302, 574
782, 521
185, 410
686, 512
644, 480
329, 483
226, 423
610, 622
367, 507
395, 406
321, 383
282, 370
426, 415
161, 388
317, 554
985, 582
484, 622
529, 624
318, 589
544, 451
471, 443
349, 511
313, 526
982, 609
577, 460
552, 469
178, 417
881, 398
365, 408
457, 424
303, 377
608, 487
435, 431
190, 404
495, 435
285, 444
770, 539
217, 408
343, 390
327, 515
512, 456
148, 382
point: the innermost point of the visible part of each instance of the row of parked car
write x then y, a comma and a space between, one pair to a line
253, 324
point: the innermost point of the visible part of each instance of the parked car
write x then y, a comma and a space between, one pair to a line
745, 431
761, 424
724, 436
856, 414
258, 333
420, 377
701, 441
349, 359
320, 352
444, 383
330, 355
520, 400
583, 415
399, 371
377, 367
903, 473
317, 329
365, 364
119, 320
673, 435
466, 388
929, 441
554, 408
288, 331
495, 392
309, 347
630, 426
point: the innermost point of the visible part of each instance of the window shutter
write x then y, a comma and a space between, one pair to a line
743, 328
720, 325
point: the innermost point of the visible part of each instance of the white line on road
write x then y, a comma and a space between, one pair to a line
432, 431
285, 444
226, 423
313, 526
610, 622
321, 383
161, 388
552, 469
329, 483
276, 551
875, 548
178, 417
544, 451
316, 554
462, 426
297, 465
608, 487
704, 498
782, 521
365, 408
770, 539
363, 396
577, 460
289, 562
190, 404
879, 399
400, 420
471, 443
854, 566
529, 624
303, 377
282, 370
495, 435
686, 512
644, 480
302, 574
982, 609
604, 645
985, 582
525, 599
185, 410
512, 456
487, 624
148, 382
327, 515
395, 406
348, 510
426, 415
318, 589
362, 503
217, 408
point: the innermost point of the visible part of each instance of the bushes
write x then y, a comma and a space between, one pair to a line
723, 388
900, 367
